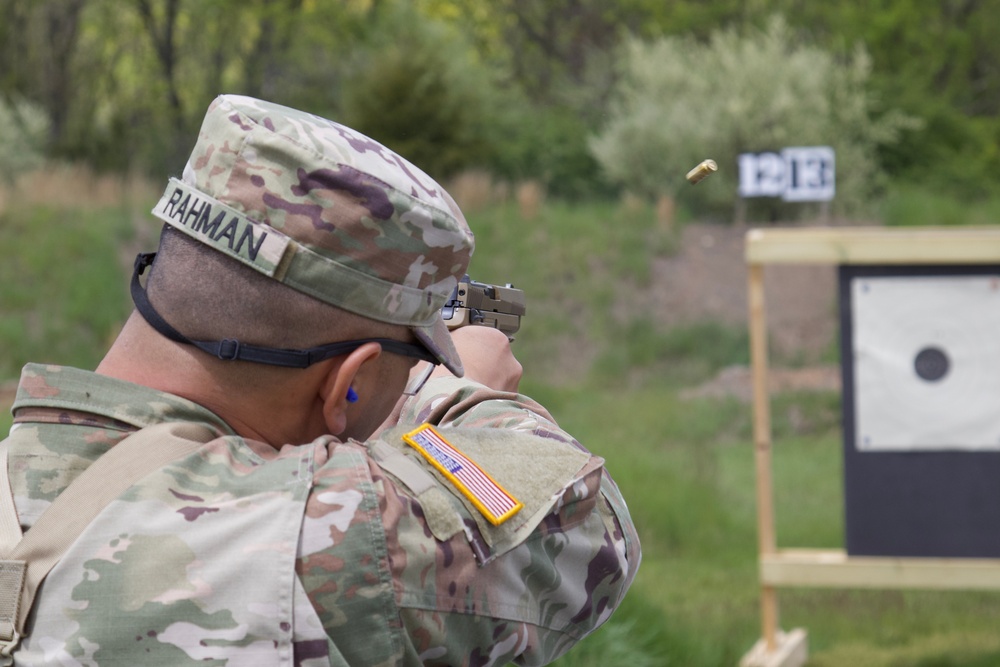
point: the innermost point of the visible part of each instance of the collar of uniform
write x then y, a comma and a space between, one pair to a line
65, 388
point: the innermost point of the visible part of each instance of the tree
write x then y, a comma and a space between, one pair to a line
38, 41
417, 88
680, 101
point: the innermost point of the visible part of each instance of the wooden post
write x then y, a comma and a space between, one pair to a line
740, 212
766, 538
835, 568
665, 206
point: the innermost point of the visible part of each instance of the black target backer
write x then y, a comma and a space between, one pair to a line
920, 363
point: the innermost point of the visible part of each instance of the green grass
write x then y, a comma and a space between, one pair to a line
580, 267
63, 294
568, 244
687, 471
912, 206
686, 467
678, 357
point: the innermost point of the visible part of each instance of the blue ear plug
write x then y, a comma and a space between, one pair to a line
352, 396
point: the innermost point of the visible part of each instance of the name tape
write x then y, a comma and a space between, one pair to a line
222, 227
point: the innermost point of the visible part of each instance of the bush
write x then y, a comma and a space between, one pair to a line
680, 101
420, 92
547, 144
951, 153
418, 88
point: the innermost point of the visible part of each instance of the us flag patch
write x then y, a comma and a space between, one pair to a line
475, 483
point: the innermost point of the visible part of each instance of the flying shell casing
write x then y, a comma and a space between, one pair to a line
701, 171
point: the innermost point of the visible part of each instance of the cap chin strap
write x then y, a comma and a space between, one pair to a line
231, 349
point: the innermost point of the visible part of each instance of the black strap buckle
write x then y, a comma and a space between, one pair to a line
142, 260
229, 349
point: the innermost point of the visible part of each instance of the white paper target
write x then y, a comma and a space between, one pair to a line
926, 362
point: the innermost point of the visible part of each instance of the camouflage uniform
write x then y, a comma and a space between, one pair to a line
313, 555
327, 553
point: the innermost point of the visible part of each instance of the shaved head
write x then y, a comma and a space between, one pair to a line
208, 296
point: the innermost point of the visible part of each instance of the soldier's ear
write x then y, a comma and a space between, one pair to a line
345, 385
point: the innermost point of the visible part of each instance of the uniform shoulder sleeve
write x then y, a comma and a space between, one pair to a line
525, 589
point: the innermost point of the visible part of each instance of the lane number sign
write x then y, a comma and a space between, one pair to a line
801, 173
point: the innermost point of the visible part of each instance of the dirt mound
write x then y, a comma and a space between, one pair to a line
737, 382
706, 280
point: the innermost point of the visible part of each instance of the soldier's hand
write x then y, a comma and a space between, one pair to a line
487, 357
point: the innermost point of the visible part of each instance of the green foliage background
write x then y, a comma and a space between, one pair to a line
522, 89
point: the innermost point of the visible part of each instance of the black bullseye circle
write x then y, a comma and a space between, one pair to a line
931, 364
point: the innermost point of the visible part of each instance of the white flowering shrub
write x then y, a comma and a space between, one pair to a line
680, 101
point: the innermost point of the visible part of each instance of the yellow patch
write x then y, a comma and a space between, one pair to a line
491, 499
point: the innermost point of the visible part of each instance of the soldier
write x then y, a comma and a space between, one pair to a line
328, 510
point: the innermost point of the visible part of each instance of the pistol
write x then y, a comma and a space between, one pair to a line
475, 303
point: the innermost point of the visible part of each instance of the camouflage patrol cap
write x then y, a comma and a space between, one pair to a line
326, 211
